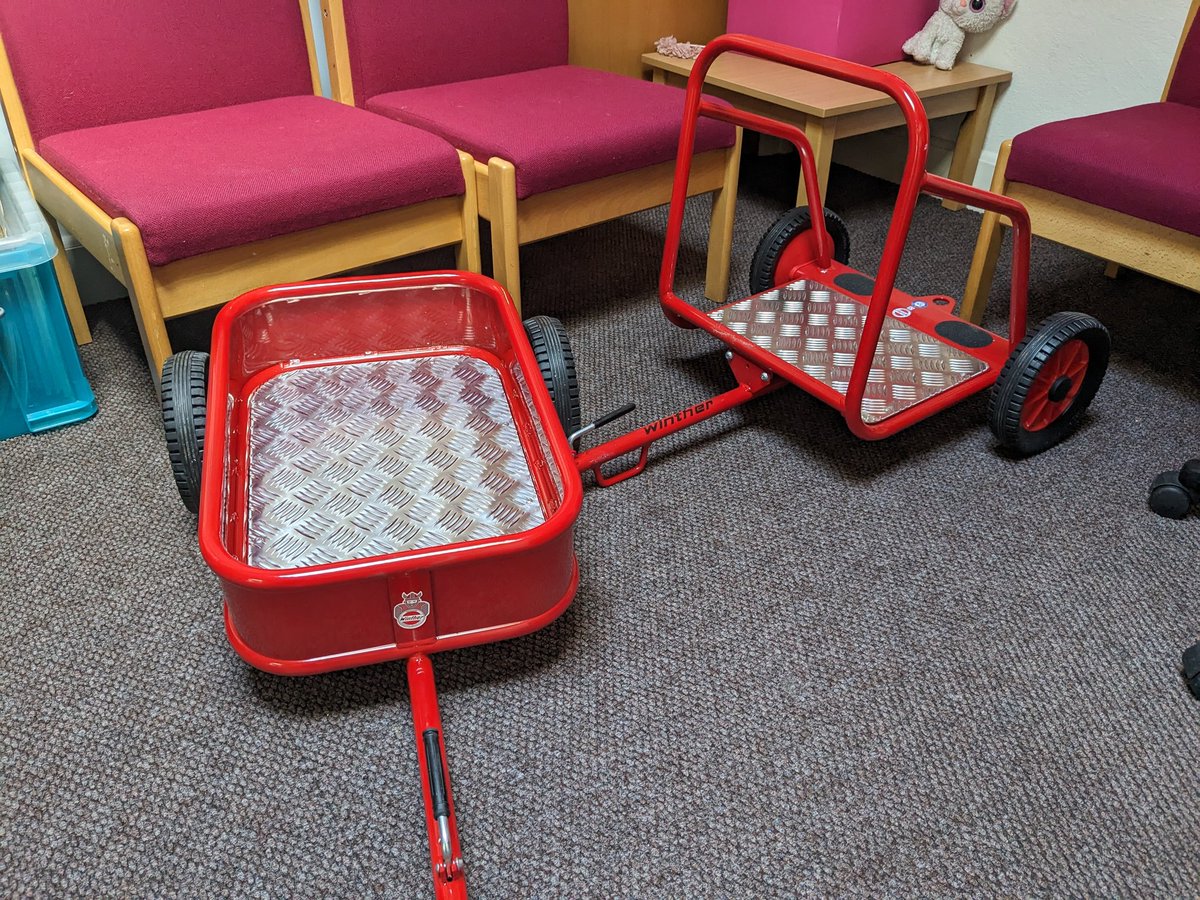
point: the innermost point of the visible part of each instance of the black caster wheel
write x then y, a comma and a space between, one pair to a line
1191, 669
552, 349
1048, 382
791, 242
183, 392
1173, 494
1168, 496
1189, 477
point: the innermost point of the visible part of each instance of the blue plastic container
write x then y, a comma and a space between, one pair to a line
42, 385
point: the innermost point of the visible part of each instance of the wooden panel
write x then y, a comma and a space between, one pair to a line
337, 51
817, 95
1173, 256
1187, 27
202, 281
870, 120
557, 212
91, 226
612, 34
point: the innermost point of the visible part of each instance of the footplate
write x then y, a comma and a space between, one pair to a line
816, 330
371, 458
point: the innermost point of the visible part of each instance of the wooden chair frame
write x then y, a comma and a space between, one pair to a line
1122, 240
159, 293
515, 222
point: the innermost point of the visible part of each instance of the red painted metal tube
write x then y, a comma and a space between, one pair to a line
911, 184
448, 879
645, 435
1018, 215
914, 181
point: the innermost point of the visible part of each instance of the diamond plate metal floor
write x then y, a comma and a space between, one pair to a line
817, 330
379, 457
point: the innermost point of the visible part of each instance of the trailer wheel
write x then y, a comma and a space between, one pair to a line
1191, 669
1048, 382
791, 242
552, 349
184, 410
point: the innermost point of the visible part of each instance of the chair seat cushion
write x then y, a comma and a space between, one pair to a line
558, 126
1139, 161
203, 181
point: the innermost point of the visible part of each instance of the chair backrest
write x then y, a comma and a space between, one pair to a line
1183, 84
393, 45
81, 64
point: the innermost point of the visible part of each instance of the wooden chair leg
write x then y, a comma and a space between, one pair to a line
143, 295
969, 145
506, 236
720, 232
983, 268
987, 249
821, 134
467, 254
66, 284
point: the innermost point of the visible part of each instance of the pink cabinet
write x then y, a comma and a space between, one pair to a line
865, 31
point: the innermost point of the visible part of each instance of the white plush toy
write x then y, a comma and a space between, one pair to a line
942, 37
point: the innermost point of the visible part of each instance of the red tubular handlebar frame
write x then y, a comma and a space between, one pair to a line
914, 182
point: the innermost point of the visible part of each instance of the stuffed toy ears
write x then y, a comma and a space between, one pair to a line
1009, 6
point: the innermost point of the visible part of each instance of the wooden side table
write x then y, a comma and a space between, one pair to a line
828, 109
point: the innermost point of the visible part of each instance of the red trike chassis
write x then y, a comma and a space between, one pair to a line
832, 353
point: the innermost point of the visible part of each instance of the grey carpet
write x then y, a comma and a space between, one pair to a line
798, 663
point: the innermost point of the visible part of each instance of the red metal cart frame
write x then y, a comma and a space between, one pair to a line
758, 370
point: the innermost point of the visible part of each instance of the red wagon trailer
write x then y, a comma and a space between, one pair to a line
379, 483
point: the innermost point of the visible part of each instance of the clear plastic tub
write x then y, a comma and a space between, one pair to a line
42, 385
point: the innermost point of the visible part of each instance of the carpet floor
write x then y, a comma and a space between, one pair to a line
797, 663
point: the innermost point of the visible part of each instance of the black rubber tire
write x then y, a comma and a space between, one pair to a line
556, 361
184, 398
790, 225
1011, 389
1168, 497
1191, 669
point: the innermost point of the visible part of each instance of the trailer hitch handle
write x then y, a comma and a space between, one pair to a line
591, 426
437, 791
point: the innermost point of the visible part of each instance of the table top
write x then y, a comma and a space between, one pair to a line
819, 95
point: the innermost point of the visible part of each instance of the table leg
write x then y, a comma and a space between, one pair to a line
970, 141
658, 76
821, 133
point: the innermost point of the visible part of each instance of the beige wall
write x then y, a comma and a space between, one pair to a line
1067, 59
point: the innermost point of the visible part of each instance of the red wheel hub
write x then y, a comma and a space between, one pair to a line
1056, 386
800, 250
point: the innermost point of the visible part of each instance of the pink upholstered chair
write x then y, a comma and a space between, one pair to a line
182, 144
1122, 185
556, 147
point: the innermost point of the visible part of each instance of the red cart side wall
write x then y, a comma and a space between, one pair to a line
355, 321
470, 603
311, 623
503, 590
